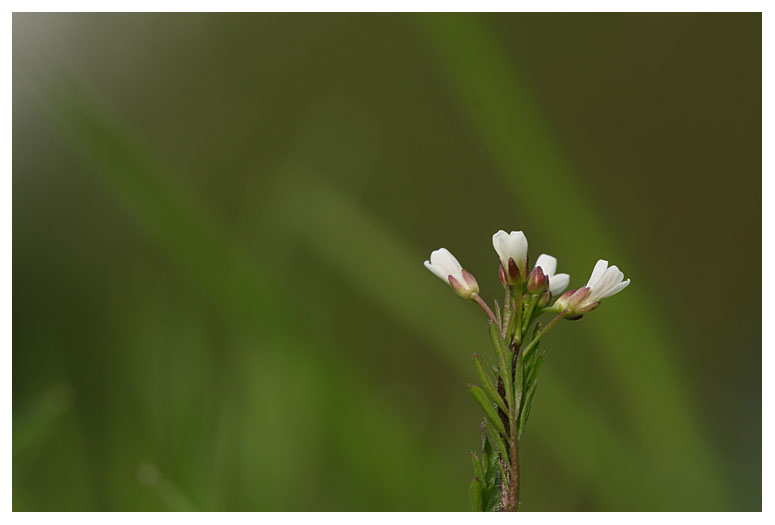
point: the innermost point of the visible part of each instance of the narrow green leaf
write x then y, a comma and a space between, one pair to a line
535, 368
475, 490
519, 371
504, 361
500, 447
489, 459
488, 385
493, 493
489, 409
477, 464
526, 407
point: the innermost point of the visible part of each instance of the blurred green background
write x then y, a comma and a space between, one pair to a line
220, 222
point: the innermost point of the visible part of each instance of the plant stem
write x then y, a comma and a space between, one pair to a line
514, 471
506, 317
512, 498
518, 314
529, 314
486, 308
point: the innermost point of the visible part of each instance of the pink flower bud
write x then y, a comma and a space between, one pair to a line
537, 282
444, 265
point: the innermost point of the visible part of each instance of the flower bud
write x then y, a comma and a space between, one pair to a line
574, 301
444, 265
468, 288
537, 282
546, 297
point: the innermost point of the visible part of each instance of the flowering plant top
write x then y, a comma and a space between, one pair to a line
507, 390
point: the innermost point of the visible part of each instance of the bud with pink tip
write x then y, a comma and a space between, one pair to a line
574, 301
557, 281
604, 282
537, 282
444, 265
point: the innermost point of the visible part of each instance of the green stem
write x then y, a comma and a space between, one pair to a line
514, 472
518, 313
486, 308
506, 312
529, 313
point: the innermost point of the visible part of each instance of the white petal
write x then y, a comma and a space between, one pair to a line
444, 261
617, 288
517, 246
548, 264
610, 278
597, 272
558, 283
499, 242
436, 271
447, 264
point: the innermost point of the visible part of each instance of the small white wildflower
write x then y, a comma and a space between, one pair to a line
512, 251
557, 282
444, 265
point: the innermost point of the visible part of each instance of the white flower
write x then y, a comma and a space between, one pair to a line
446, 268
512, 251
605, 281
557, 282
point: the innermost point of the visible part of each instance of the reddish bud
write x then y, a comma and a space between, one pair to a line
537, 282
573, 301
470, 279
513, 274
467, 289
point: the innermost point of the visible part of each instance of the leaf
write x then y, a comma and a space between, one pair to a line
489, 387
493, 476
489, 460
526, 407
475, 491
493, 495
500, 446
477, 464
505, 363
535, 368
518, 382
489, 409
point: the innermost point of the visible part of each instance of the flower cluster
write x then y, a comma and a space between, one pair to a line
511, 248
507, 391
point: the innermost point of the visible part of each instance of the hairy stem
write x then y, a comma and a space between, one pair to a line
514, 496
486, 308
518, 314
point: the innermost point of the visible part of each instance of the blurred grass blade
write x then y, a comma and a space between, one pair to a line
38, 423
199, 244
